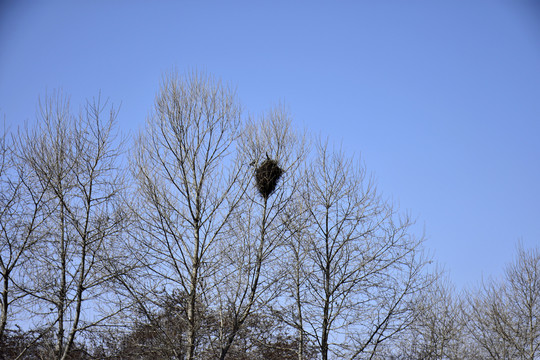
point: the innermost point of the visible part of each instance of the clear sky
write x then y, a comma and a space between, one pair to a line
441, 99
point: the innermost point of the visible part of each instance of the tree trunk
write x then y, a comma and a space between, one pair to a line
192, 301
60, 305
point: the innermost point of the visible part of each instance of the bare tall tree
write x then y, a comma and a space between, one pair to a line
75, 158
504, 315
20, 215
190, 183
362, 267
249, 276
438, 331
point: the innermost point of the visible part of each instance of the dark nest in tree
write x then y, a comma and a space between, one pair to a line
267, 176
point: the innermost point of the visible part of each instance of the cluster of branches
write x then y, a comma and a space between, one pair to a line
497, 320
174, 249
60, 215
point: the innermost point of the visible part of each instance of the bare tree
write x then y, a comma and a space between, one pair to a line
75, 159
257, 233
504, 315
362, 267
20, 216
190, 182
438, 330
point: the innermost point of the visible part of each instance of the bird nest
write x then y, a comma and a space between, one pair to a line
267, 176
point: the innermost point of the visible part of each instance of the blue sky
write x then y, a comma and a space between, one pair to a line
441, 99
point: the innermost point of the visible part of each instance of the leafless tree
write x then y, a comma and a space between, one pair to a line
438, 330
361, 266
190, 183
504, 315
75, 159
257, 233
20, 216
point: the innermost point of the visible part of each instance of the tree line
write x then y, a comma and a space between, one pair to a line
215, 235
